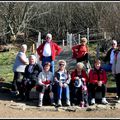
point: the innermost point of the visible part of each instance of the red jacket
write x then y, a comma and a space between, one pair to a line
55, 49
93, 76
75, 74
79, 51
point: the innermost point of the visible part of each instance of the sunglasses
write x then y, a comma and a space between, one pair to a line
61, 64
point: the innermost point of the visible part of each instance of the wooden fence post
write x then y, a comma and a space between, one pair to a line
88, 35
63, 43
105, 35
33, 48
70, 40
78, 38
98, 51
67, 38
39, 38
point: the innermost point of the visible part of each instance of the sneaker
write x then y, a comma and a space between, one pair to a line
92, 101
39, 104
68, 102
104, 101
59, 103
15, 93
53, 103
118, 101
117, 97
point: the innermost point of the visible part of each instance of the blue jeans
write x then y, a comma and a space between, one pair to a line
63, 89
48, 59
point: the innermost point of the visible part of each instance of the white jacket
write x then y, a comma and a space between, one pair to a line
116, 64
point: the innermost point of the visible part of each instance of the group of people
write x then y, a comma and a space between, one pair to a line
61, 85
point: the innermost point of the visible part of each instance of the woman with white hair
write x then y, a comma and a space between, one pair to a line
48, 51
109, 58
78, 86
30, 77
62, 79
19, 67
116, 71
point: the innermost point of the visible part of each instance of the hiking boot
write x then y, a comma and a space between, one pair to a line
104, 101
92, 101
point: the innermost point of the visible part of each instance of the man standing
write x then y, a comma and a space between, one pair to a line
48, 51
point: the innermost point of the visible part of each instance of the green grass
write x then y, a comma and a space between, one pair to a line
6, 63
6, 72
7, 59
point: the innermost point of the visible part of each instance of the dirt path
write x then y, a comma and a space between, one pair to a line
7, 112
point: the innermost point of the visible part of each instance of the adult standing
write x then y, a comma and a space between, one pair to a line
48, 51
19, 67
80, 52
116, 70
109, 58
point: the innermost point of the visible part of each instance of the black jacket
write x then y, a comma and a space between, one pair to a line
34, 75
107, 57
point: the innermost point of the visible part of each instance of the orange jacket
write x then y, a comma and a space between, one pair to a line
79, 51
